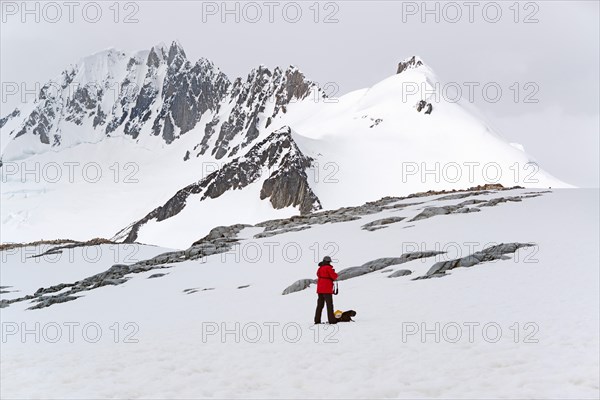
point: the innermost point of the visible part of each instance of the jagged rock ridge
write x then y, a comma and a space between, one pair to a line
287, 184
254, 104
160, 93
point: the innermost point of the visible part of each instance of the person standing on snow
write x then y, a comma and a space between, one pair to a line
326, 275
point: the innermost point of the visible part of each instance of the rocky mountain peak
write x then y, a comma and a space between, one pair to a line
156, 56
176, 57
159, 92
409, 63
257, 101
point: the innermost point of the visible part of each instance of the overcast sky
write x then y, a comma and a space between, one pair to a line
549, 50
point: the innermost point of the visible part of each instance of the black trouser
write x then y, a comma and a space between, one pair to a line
325, 298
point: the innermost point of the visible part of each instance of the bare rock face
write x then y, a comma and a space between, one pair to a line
170, 100
381, 223
162, 93
400, 272
298, 286
423, 105
252, 101
15, 113
188, 92
366, 268
83, 103
412, 62
492, 253
290, 188
286, 186
221, 232
43, 120
219, 240
463, 207
381, 263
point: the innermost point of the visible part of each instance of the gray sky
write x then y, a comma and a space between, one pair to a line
550, 53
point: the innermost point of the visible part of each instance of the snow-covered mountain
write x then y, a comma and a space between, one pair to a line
181, 148
156, 93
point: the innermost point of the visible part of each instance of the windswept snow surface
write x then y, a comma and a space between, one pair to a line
534, 316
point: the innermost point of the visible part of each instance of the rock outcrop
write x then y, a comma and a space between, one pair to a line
400, 272
222, 239
381, 223
219, 240
492, 253
463, 207
409, 63
298, 286
381, 263
286, 186
250, 106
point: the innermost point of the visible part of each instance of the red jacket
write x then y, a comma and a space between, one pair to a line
326, 275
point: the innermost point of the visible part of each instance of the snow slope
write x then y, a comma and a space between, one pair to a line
408, 151
373, 139
551, 291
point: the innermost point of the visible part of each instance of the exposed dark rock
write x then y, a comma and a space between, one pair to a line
299, 285
409, 63
70, 245
48, 112
286, 186
250, 99
376, 122
175, 103
156, 276
381, 263
478, 188
400, 272
221, 232
423, 105
84, 100
15, 113
279, 232
48, 301
8, 246
462, 207
221, 239
344, 214
368, 267
196, 290
488, 254
462, 195
381, 223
